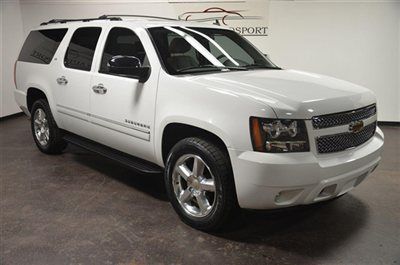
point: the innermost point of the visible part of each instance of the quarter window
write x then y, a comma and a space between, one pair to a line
81, 49
124, 42
41, 45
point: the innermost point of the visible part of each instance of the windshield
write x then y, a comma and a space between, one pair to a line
194, 50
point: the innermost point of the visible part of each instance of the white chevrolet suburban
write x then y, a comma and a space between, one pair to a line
200, 103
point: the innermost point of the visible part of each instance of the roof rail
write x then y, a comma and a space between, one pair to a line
57, 20
138, 16
103, 17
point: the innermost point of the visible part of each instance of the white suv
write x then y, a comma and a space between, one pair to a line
228, 128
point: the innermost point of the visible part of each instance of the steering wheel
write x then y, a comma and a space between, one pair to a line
228, 62
221, 56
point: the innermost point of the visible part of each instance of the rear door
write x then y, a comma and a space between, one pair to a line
37, 63
122, 110
74, 79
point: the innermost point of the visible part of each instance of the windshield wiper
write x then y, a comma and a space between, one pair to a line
254, 66
211, 67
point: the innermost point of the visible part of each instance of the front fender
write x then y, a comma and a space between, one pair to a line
213, 107
186, 120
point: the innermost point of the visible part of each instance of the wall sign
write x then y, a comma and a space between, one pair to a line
248, 18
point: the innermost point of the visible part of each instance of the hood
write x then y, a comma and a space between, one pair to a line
290, 93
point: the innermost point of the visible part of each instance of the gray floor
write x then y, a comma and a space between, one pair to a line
79, 208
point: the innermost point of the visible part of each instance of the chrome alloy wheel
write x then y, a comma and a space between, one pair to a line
194, 185
41, 127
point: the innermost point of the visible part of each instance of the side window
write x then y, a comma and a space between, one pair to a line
41, 45
80, 51
125, 42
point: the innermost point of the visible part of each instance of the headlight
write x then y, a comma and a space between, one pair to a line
278, 136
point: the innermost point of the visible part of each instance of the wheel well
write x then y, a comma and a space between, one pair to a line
174, 132
33, 95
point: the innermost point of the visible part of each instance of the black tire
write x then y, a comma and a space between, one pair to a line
225, 205
55, 143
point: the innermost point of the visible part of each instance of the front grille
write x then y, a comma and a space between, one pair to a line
343, 141
342, 118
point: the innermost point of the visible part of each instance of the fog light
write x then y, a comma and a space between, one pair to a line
327, 191
287, 197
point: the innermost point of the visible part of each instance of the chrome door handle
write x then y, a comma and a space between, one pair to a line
62, 80
99, 89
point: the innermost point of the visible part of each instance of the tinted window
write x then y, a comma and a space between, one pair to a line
81, 49
41, 45
231, 47
125, 42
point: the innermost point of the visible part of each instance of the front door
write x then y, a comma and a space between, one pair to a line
122, 109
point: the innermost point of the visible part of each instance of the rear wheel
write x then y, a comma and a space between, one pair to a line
45, 132
200, 184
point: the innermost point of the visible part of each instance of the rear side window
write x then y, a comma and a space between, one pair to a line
81, 49
41, 45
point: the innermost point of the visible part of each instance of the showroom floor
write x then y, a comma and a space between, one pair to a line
79, 208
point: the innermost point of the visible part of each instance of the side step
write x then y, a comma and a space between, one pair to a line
132, 162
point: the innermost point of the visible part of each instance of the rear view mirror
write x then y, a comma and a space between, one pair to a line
129, 66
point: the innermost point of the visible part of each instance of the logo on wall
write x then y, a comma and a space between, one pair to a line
228, 18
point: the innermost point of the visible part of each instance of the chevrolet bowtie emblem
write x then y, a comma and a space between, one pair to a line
356, 126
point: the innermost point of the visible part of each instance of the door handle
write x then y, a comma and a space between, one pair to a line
62, 80
99, 89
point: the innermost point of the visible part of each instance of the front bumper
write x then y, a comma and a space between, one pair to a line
267, 181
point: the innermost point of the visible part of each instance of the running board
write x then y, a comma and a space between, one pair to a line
132, 162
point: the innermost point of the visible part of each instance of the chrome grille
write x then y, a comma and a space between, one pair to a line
343, 141
342, 118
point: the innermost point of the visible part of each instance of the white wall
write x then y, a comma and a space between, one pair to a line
358, 41
11, 41
36, 11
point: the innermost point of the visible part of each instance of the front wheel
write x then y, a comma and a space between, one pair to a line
200, 184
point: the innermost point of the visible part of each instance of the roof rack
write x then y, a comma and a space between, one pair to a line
138, 16
103, 17
54, 21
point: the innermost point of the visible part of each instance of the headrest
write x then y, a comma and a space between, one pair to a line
179, 45
126, 49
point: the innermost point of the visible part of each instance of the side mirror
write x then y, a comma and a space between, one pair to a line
129, 66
